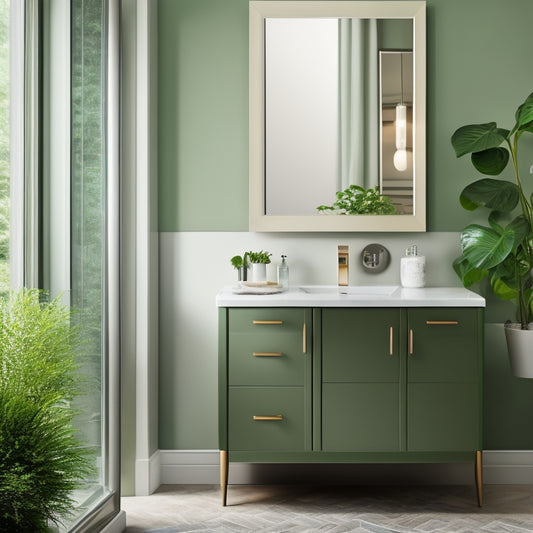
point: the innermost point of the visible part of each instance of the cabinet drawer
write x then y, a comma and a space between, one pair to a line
267, 346
443, 345
279, 423
360, 417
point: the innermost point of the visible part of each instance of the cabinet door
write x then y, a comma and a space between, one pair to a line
361, 374
360, 344
443, 344
360, 417
268, 346
443, 392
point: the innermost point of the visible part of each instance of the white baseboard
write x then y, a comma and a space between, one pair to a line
148, 474
191, 467
508, 467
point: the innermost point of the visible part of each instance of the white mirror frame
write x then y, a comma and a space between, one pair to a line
259, 11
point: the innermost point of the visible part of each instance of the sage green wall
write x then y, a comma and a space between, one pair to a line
203, 115
479, 69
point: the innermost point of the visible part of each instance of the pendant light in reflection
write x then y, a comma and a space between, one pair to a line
400, 156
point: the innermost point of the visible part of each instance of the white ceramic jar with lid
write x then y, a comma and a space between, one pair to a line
413, 268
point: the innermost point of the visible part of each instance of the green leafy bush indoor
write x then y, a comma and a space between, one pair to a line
501, 251
41, 458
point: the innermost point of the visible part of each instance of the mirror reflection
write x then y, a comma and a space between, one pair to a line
396, 129
338, 115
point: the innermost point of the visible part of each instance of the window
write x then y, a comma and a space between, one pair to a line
4, 147
79, 45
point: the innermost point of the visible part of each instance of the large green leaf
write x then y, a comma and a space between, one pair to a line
506, 271
499, 219
502, 290
467, 273
491, 161
484, 248
521, 229
477, 137
524, 114
467, 204
528, 127
524, 117
494, 194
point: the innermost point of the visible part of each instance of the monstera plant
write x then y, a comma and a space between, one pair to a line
503, 249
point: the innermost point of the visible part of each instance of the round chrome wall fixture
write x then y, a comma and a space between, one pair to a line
375, 258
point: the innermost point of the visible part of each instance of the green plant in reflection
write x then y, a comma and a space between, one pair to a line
356, 200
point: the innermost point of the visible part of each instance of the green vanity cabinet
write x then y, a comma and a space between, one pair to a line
350, 384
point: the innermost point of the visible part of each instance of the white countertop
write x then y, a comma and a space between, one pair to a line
396, 297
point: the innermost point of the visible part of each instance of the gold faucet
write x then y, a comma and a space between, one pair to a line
342, 254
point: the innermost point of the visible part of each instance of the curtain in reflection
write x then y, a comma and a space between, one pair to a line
358, 103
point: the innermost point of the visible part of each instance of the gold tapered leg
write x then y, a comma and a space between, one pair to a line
224, 475
479, 477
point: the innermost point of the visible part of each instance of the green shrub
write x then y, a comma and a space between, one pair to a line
41, 458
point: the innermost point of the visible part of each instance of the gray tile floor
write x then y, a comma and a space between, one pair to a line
299, 508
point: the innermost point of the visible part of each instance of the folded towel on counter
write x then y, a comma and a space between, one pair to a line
256, 287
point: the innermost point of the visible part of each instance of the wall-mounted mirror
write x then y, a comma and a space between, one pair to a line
337, 103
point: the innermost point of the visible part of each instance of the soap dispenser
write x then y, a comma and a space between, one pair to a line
413, 268
283, 273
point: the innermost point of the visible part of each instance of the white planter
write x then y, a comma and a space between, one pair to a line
520, 349
242, 274
259, 272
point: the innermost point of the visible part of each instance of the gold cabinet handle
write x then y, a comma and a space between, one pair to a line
442, 322
411, 342
267, 354
274, 417
304, 339
391, 341
270, 322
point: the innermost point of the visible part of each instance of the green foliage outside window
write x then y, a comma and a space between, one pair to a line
4, 146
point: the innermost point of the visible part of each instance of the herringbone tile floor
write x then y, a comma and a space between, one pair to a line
299, 509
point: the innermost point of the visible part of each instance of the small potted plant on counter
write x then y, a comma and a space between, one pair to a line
503, 250
240, 263
259, 261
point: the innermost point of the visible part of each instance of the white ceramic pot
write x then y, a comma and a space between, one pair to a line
520, 349
242, 274
259, 272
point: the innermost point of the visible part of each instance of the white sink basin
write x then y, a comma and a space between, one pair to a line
362, 290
